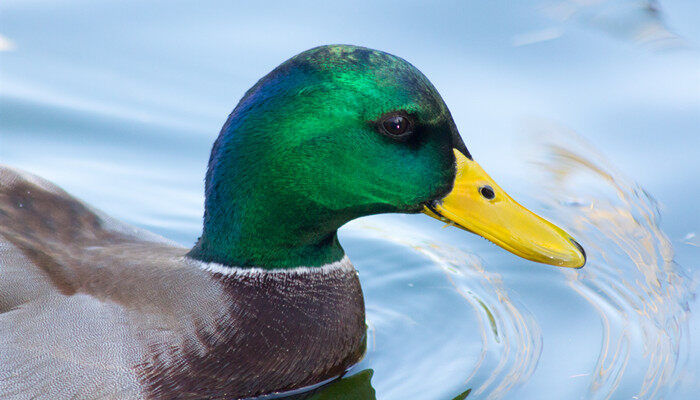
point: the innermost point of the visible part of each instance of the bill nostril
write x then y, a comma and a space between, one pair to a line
487, 192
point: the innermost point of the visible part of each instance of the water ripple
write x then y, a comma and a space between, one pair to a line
631, 279
511, 339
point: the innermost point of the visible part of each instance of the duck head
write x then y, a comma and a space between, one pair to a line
339, 132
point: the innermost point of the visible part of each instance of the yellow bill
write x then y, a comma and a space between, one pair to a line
477, 204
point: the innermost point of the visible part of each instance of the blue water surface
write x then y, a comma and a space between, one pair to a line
588, 112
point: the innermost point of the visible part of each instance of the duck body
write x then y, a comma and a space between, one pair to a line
266, 300
93, 308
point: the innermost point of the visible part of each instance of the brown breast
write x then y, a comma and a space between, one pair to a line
90, 307
282, 331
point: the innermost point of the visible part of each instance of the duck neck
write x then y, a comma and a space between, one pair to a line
267, 209
221, 245
257, 223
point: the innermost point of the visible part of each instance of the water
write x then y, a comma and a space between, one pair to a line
584, 111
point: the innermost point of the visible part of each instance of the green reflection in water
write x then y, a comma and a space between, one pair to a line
353, 387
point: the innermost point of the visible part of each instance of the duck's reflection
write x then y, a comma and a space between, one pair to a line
354, 387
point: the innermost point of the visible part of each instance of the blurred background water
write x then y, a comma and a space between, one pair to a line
587, 111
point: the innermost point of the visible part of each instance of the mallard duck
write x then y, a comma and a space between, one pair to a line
266, 300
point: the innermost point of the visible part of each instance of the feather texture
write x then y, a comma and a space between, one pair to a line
92, 308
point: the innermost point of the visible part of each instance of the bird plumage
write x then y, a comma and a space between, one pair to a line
90, 308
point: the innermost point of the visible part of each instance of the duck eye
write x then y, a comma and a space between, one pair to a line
487, 192
396, 125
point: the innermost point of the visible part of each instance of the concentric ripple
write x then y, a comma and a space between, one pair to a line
508, 339
639, 292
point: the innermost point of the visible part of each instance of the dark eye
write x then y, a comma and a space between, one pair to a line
487, 192
397, 125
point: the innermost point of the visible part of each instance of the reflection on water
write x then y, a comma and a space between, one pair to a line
510, 339
631, 280
638, 21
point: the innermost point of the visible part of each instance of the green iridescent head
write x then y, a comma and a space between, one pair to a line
311, 146
333, 134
